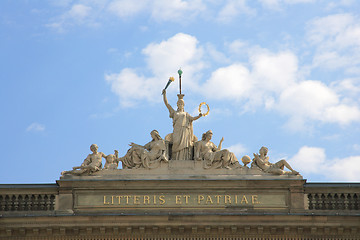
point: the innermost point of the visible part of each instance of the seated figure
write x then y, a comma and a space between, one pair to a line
91, 164
212, 155
112, 161
148, 156
262, 162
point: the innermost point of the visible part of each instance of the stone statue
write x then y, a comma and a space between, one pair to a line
261, 161
112, 161
91, 164
148, 156
182, 137
213, 156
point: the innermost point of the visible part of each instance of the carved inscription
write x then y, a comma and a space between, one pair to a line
180, 200
199, 199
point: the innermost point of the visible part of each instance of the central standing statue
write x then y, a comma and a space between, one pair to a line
182, 137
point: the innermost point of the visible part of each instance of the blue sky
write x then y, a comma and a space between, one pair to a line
278, 73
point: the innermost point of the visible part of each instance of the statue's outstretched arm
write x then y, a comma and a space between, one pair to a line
136, 145
103, 155
197, 117
166, 102
220, 144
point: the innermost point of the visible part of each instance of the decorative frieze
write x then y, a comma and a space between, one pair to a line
183, 232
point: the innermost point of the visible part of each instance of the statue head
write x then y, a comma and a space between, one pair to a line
155, 135
94, 147
180, 103
263, 151
207, 135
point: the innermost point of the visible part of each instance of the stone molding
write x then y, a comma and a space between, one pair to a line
183, 227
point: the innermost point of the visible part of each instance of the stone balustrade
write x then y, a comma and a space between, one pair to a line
319, 197
333, 196
27, 197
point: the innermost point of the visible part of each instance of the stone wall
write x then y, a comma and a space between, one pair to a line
54, 211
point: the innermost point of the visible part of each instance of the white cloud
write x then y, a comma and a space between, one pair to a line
308, 160
231, 82
336, 39
176, 10
35, 127
181, 50
348, 86
94, 12
274, 72
312, 160
238, 149
307, 99
260, 84
130, 87
78, 14
270, 80
237, 47
277, 4
313, 100
339, 3
356, 147
61, 3
127, 8
163, 60
232, 9
273, 81
159, 10
216, 55
346, 169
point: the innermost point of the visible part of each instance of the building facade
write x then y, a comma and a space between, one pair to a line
180, 206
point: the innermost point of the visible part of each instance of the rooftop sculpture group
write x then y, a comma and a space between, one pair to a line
180, 145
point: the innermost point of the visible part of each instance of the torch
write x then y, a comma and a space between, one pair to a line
171, 79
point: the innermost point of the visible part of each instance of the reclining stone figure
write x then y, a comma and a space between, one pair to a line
91, 164
147, 156
261, 161
212, 155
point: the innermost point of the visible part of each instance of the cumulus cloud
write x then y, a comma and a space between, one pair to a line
127, 8
268, 74
162, 60
176, 10
336, 39
275, 71
231, 82
313, 160
238, 149
308, 99
270, 80
159, 10
93, 13
179, 50
273, 81
339, 3
277, 4
35, 127
306, 157
78, 14
234, 8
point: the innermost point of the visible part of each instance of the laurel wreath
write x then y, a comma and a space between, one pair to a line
208, 108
